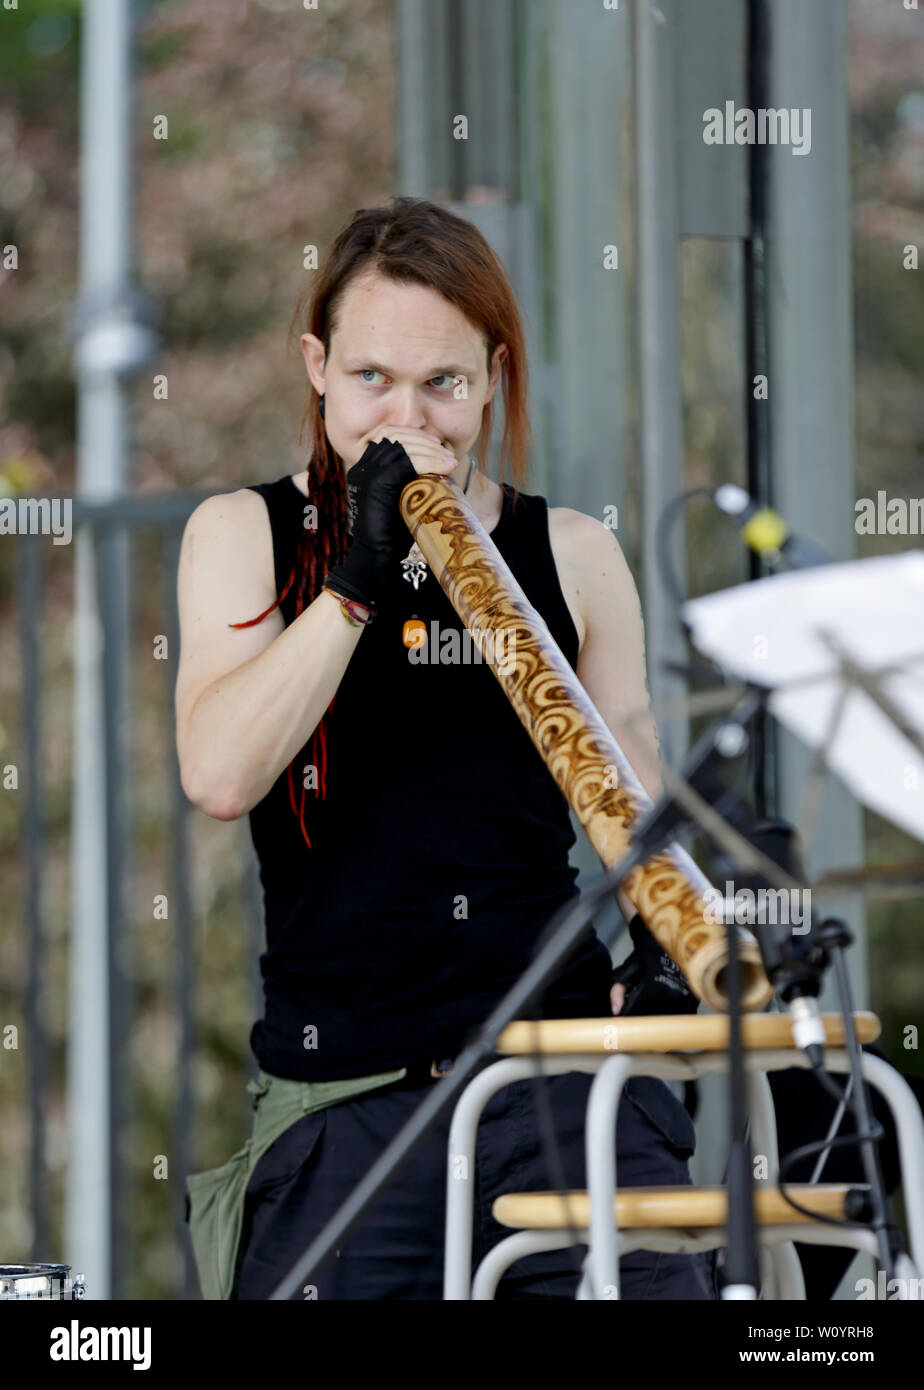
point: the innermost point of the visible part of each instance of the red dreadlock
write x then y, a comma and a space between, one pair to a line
316, 553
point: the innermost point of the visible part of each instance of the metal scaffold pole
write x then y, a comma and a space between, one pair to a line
111, 343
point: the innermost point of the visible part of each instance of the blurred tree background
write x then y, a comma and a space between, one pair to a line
274, 139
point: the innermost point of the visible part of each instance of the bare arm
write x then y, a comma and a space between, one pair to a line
246, 699
611, 664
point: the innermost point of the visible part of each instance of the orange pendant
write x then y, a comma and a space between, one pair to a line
414, 633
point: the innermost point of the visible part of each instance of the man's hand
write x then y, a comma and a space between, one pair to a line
617, 997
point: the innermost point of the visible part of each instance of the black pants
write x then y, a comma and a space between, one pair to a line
396, 1251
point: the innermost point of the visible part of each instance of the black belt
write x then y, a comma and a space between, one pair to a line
435, 1069
427, 1073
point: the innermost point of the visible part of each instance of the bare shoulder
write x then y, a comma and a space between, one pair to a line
577, 542
594, 573
225, 576
228, 544
583, 539
226, 509
233, 525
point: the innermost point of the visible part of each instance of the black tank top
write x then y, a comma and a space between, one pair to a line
439, 852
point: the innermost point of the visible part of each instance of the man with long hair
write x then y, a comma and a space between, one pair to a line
412, 843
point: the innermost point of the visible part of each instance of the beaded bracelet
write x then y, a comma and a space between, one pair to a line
351, 609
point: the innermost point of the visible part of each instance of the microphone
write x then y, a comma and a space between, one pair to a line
765, 531
794, 961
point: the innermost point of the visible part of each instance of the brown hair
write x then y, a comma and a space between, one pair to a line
410, 241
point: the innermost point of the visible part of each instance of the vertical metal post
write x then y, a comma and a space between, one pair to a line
112, 600
181, 920
29, 596
424, 100
811, 388
585, 109
109, 344
760, 460
811, 370
659, 348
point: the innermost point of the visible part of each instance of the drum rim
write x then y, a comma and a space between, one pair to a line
25, 1271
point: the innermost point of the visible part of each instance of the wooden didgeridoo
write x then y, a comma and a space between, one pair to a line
573, 739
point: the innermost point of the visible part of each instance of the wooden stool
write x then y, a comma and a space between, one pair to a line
673, 1048
681, 1220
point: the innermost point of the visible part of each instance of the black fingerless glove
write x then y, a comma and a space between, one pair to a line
654, 983
380, 535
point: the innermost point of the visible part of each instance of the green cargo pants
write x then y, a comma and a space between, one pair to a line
215, 1198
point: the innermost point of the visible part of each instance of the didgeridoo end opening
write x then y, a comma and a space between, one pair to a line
756, 989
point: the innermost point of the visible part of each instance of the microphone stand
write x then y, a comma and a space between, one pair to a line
796, 976
796, 973
833, 936
741, 1269
724, 743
